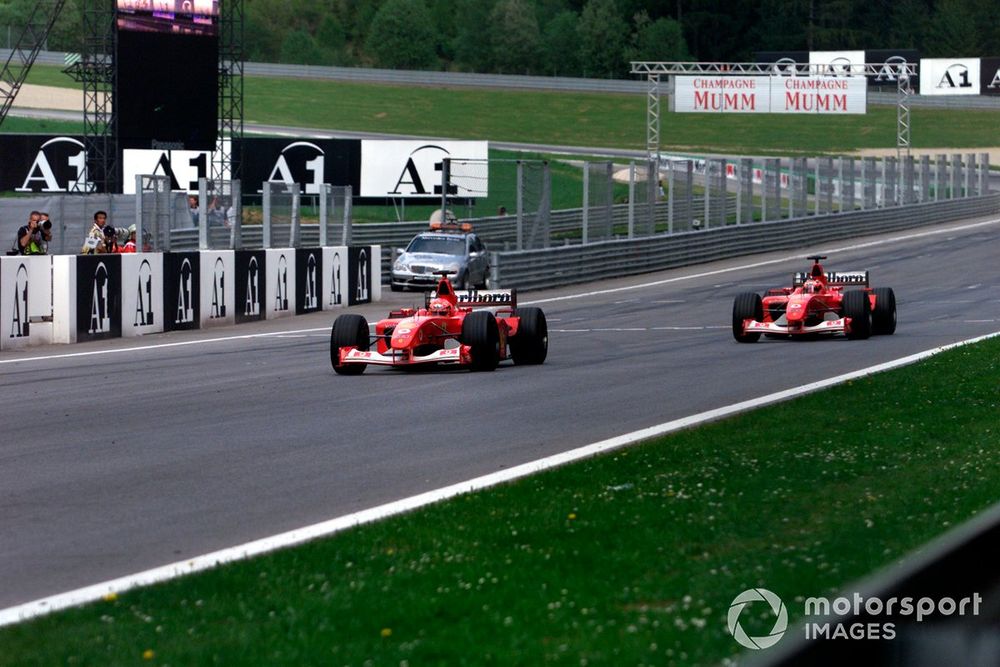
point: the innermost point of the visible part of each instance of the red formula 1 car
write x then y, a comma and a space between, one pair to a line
816, 303
476, 329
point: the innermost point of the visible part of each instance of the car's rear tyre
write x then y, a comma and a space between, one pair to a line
348, 331
884, 314
480, 332
747, 305
857, 307
531, 344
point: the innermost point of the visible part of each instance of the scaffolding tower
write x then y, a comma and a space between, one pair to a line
655, 70
226, 161
23, 53
96, 71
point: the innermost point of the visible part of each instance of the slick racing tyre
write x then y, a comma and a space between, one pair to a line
857, 307
479, 331
884, 314
531, 343
747, 305
348, 331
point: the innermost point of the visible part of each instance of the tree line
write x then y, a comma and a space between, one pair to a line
591, 38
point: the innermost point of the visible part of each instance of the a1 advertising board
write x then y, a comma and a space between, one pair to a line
142, 284
408, 169
250, 274
98, 297
38, 163
334, 277
949, 76
308, 280
279, 288
890, 64
308, 162
181, 294
989, 76
25, 301
183, 168
783, 63
837, 63
217, 287
770, 94
359, 274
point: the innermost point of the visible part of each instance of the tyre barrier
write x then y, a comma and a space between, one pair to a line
74, 298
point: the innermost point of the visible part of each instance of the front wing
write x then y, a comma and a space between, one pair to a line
841, 325
457, 355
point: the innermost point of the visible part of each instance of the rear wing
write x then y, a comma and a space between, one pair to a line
835, 278
480, 298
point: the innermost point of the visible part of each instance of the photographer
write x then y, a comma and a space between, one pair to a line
34, 237
97, 241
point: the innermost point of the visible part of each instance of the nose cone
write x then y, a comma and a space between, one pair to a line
403, 335
796, 311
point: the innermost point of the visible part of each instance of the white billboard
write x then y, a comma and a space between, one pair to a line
770, 94
402, 169
949, 76
837, 63
184, 168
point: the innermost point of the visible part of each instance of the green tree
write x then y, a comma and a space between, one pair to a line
561, 45
299, 48
470, 47
402, 36
332, 41
661, 39
952, 31
603, 34
514, 37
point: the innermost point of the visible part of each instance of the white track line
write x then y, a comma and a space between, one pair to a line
97, 591
904, 237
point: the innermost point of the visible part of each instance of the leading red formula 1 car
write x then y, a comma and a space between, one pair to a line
474, 328
816, 303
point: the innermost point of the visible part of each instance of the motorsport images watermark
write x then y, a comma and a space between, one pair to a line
856, 605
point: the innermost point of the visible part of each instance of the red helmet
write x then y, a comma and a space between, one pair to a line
440, 306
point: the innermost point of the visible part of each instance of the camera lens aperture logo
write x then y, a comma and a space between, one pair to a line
757, 595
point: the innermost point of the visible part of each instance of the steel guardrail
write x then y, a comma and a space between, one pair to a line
567, 265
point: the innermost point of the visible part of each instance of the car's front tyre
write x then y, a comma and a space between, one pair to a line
747, 306
348, 331
480, 332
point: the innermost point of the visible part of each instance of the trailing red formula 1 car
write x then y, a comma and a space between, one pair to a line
476, 329
817, 303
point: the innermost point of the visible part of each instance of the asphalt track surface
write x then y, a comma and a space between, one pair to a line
122, 456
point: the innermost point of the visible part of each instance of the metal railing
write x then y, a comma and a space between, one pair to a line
567, 265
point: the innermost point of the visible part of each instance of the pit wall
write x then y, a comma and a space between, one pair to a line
74, 298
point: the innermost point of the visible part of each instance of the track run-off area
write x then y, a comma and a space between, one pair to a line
128, 455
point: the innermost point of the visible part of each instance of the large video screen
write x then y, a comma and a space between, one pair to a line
167, 90
185, 17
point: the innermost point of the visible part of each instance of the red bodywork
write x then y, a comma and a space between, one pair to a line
432, 334
812, 305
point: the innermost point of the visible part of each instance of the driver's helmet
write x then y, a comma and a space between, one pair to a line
811, 287
440, 307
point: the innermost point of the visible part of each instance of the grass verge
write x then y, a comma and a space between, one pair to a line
629, 558
582, 119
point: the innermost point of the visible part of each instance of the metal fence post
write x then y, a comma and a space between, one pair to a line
138, 213
266, 215
326, 191
519, 204
347, 231
236, 202
970, 168
670, 197
631, 199
203, 214
586, 200
294, 232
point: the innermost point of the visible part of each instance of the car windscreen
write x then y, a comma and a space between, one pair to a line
440, 245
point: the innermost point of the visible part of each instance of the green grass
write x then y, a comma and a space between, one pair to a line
630, 558
583, 119
17, 125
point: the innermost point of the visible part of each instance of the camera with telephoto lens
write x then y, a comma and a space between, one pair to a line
47, 225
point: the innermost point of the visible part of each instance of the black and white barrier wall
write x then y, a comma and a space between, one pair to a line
74, 298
